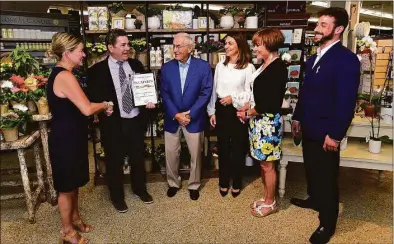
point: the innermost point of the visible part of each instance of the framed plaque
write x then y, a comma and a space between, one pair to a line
118, 23
144, 89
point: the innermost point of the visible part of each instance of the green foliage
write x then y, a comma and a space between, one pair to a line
116, 7
250, 12
24, 63
151, 11
230, 10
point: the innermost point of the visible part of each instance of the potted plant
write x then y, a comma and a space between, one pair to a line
152, 13
5, 96
241, 22
11, 122
140, 47
19, 91
37, 87
130, 22
251, 18
227, 19
117, 9
138, 24
97, 52
23, 63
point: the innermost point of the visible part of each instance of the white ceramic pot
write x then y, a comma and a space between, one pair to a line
227, 22
343, 144
248, 161
374, 146
251, 22
195, 24
153, 22
130, 24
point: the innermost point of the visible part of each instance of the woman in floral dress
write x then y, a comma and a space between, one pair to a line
265, 126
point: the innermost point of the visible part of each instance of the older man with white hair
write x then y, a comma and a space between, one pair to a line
186, 87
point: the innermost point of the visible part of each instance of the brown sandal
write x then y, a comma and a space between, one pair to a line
82, 227
69, 237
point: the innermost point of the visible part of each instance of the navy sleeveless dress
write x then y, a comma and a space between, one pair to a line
68, 141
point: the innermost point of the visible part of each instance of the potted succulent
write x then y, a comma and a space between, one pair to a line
11, 122
117, 9
251, 18
227, 19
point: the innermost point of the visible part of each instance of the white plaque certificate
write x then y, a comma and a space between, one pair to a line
144, 89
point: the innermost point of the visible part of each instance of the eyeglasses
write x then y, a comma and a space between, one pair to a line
178, 46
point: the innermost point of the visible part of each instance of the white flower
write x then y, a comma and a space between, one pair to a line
20, 107
374, 44
6, 84
362, 48
286, 57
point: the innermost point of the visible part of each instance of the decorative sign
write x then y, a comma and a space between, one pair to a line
296, 6
25, 20
144, 89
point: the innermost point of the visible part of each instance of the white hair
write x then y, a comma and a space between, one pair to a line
187, 39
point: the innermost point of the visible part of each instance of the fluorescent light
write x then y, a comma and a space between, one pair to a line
376, 13
381, 27
320, 4
313, 20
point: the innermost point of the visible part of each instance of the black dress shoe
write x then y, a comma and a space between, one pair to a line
321, 235
303, 203
223, 193
120, 206
194, 194
235, 194
145, 197
172, 191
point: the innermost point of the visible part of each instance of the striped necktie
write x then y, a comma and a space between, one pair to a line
127, 98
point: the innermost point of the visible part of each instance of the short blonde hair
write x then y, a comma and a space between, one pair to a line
61, 43
271, 38
188, 40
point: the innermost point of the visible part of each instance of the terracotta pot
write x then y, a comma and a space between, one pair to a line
4, 108
369, 111
10, 134
42, 106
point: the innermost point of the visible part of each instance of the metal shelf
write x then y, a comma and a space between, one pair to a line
157, 31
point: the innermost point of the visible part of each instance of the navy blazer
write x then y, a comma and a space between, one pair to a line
327, 98
195, 97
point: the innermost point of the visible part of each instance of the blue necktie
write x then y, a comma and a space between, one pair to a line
127, 99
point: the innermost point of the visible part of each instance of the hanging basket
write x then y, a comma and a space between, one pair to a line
42, 106
10, 134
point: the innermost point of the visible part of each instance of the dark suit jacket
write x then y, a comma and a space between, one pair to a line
101, 88
195, 97
328, 95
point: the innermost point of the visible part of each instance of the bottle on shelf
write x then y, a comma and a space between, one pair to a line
159, 57
152, 56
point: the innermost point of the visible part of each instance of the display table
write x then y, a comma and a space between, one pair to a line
356, 155
32, 199
42, 121
360, 127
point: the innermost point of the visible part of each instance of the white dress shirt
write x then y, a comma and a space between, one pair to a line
321, 52
114, 68
229, 81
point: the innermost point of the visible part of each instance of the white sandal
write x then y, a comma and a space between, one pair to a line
254, 204
258, 213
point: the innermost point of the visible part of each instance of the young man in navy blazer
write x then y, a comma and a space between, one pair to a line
323, 114
186, 87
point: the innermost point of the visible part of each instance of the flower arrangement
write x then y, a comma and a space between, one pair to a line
14, 120
210, 46
23, 63
230, 10
139, 45
6, 70
97, 49
366, 44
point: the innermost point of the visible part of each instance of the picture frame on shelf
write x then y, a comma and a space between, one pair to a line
295, 55
202, 22
222, 56
118, 23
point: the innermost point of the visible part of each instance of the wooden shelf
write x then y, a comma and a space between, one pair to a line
158, 31
24, 40
96, 31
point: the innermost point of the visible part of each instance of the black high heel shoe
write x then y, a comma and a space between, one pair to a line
223, 193
236, 194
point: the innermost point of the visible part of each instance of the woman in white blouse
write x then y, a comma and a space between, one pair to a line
231, 91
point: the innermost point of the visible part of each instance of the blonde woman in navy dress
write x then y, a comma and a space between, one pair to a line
265, 125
